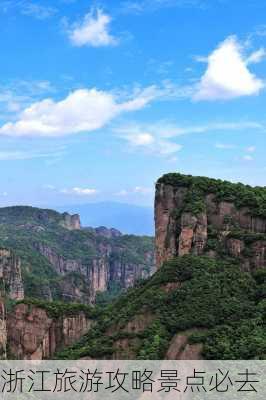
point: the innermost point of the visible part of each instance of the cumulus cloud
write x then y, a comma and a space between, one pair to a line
227, 75
83, 110
93, 31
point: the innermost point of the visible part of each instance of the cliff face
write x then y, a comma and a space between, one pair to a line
32, 334
11, 286
197, 216
10, 275
60, 260
107, 269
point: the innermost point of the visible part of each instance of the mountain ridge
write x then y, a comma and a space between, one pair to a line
60, 258
208, 296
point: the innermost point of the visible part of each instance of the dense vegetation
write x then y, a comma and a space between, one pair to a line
224, 306
24, 229
241, 195
57, 309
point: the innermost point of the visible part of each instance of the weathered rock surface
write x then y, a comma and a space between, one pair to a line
179, 232
71, 222
10, 275
103, 271
34, 335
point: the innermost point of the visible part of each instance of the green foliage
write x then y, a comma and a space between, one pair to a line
59, 309
114, 289
206, 296
254, 198
26, 229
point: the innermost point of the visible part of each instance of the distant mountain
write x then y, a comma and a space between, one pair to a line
61, 261
127, 218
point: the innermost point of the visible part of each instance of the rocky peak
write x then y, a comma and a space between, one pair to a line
197, 215
71, 222
29, 217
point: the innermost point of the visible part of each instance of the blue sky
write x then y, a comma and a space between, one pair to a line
98, 99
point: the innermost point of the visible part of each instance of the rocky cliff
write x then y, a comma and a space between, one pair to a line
11, 287
195, 215
10, 275
60, 260
34, 333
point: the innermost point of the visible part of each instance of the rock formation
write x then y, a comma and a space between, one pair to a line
35, 335
60, 260
10, 275
191, 219
71, 222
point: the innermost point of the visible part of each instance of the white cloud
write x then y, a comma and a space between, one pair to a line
157, 138
251, 149
224, 146
18, 94
227, 75
36, 10
141, 6
143, 190
248, 157
256, 56
150, 138
93, 31
141, 139
83, 110
28, 8
80, 191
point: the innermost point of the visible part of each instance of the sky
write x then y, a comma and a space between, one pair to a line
98, 99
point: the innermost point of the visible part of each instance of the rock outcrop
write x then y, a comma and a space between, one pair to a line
35, 335
71, 222
193, 220
11, 286
106, 270
10, 275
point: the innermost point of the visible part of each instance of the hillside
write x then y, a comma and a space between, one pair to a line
208, 297
60, 260
192, 307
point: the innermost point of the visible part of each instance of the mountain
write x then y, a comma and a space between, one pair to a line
208, 296
59, 260
195, 215
127, 218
